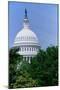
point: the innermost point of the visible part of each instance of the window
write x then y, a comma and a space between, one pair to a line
30, 49
25, 49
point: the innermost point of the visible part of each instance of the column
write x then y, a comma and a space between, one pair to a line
26, 58
23, 58
29, 60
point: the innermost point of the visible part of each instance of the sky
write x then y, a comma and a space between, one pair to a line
43, 20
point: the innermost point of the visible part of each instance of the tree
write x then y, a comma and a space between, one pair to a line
14, 60
38, 67
43, 70
24, 80
52, 65
45, 67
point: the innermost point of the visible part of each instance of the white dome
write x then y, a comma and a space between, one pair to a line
26, 36
27, 41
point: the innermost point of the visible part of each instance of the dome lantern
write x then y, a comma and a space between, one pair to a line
26, 21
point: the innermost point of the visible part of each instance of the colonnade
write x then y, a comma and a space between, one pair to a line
27, 58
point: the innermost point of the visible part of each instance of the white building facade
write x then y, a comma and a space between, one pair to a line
27, 41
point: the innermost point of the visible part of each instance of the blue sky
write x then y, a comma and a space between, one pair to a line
43, 21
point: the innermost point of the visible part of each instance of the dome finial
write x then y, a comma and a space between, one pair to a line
25, 13
26, 21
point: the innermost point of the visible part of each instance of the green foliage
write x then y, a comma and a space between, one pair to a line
43, 70
14, 60
24, 80
45, 67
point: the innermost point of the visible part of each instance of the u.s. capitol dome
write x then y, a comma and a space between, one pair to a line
27, 41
